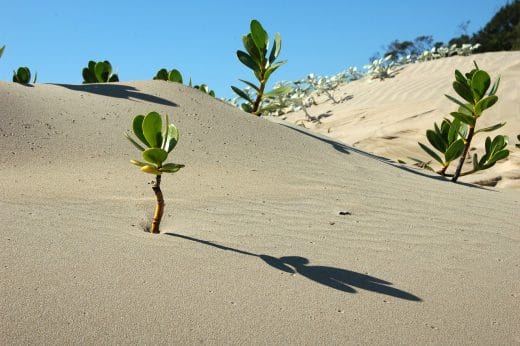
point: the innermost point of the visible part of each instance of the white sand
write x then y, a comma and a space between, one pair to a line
253, 250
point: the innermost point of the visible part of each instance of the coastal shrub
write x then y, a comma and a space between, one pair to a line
171, 75
381, 68
453, 139
99, 72
23, 76
155, 143
256, 44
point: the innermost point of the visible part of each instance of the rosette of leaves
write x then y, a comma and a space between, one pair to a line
155, 143
171, 75
256, 58
448, 139
99, 72
23, 76
473, 88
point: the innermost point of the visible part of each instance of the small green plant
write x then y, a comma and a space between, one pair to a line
2, 51
205, 89
155, 144
172, 75
99, 72
453, 139
23, 76
256, 44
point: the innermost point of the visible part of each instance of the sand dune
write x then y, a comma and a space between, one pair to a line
389, 117
272, 234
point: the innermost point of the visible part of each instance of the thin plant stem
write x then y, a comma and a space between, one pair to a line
457, 173
159, 207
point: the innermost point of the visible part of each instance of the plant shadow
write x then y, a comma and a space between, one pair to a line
337, 278
346, 149
118, 90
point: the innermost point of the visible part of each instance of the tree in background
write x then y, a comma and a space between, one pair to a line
502, 32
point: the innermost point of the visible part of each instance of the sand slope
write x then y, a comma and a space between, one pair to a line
389, 117
254, 249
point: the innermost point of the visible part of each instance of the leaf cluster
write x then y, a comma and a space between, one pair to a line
155, 143
171, 75
99, 72
23, 75
256, 57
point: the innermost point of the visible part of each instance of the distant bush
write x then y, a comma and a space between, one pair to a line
99, 72
23, 76
453, 139
171, 75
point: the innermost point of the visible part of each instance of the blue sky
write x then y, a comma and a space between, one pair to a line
200, 38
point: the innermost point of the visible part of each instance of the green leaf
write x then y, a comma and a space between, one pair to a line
465, 105
137, 127
259, 35
494, 88
137, 145
253, 51
155, 155
454, 150
466, 119
273, 68
479, 84
2, 51
247, 60
172, 138
152, 126
491, 128
454, 131
277, 46
175, 76
113, 78
436, 140
257, 89
102, 70
464, 91
242, 94
502, 154
171, 167
162, 74
431, 153
484, 104
459, 77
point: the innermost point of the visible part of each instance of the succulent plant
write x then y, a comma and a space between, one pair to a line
381, 68
155, 143
205, 89
453, 139
23, 76
99, 72
171, 75
256, 44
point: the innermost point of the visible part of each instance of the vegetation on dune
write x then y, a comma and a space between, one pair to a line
155, 143
256, 44
23, 76
453, 138
171, 75
99, 72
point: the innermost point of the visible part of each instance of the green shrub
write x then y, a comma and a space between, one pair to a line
256, 44
99, 72
453, 139
23, 76
172, 75
155, 144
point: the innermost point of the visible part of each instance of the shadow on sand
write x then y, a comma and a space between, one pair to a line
337, 278
119, 91
346, 149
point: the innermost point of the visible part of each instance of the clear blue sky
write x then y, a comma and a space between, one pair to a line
200, 38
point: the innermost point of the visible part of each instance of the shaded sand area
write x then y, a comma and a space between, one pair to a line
389, 117
272, 234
